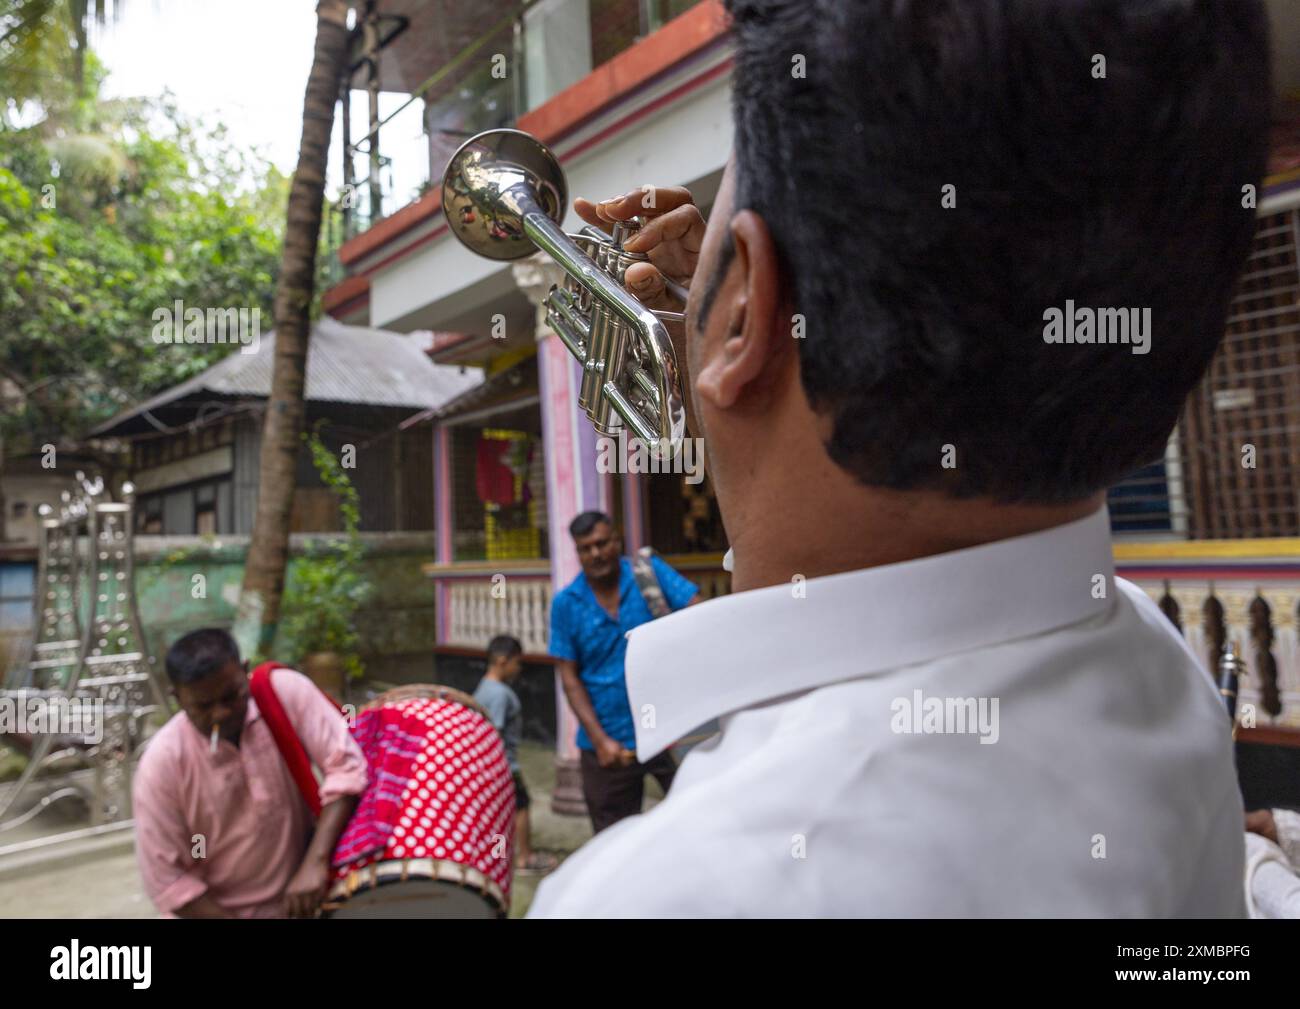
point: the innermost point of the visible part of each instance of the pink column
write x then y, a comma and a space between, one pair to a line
572, 485
634, 513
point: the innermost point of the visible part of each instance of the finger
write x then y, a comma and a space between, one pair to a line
645, 202
587, 211
648, 285
684, 225
644, 280
618, 208
651, 201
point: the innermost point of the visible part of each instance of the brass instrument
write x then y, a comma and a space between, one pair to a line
504, 196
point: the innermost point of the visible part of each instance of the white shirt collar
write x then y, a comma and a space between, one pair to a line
740, 650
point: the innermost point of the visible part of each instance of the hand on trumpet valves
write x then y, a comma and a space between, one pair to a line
670, 234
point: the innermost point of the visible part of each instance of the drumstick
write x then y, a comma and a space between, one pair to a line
216, 729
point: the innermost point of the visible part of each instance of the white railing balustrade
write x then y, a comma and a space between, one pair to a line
1257, 615
480, 609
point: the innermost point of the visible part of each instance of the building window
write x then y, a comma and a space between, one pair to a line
196, 509
149, 515
17, 591
684, 516
498, 477
205, 509
1229, 471
1241, 426
1140, 504
617, 25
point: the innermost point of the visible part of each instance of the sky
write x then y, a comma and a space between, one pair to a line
242, 62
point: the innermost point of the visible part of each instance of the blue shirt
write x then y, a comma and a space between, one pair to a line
584, 632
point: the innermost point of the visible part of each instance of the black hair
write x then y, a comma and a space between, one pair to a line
924, 324
504, 646
199, 654
588, 521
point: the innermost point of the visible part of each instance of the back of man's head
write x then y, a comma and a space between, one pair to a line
940, 176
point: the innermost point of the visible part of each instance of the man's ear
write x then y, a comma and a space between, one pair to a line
745, 337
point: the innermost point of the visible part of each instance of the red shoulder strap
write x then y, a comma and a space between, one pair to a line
282, 730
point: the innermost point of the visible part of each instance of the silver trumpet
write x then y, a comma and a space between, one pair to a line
504, 195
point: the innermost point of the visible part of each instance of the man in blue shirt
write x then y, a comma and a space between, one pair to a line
590, 618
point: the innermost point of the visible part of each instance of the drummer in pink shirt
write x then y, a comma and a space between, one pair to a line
221, 831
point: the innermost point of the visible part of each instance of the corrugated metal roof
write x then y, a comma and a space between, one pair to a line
345, 364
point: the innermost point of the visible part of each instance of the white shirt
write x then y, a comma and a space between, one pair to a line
1106, 787
1273, 870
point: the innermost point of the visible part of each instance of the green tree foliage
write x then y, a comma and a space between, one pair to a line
44, 46
110, 211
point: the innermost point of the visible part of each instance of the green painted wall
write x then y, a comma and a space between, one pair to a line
183, 583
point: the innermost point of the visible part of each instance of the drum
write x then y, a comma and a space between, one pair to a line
433, 835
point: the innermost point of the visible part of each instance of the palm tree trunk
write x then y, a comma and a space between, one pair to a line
268, 551
81, 13
78, 13
3, 508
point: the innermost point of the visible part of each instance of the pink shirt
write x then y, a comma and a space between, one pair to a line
241, 805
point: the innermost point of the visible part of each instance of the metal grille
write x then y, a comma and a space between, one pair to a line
1241, 427
684, 517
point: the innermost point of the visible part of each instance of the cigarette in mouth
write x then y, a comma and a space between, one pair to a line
216, 729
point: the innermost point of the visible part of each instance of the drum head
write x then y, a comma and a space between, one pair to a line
416, 898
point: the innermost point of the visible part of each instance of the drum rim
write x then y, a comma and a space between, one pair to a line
391, 870
425, 691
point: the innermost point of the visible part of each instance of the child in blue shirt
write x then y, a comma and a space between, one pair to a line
494, 693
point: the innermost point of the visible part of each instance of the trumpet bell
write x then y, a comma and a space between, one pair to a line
486, 187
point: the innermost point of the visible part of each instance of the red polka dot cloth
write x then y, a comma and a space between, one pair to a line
439, 787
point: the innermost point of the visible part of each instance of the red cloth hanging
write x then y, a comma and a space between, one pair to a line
284, 734
494, 480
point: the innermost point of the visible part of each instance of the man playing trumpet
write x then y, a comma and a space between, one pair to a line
912, 474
